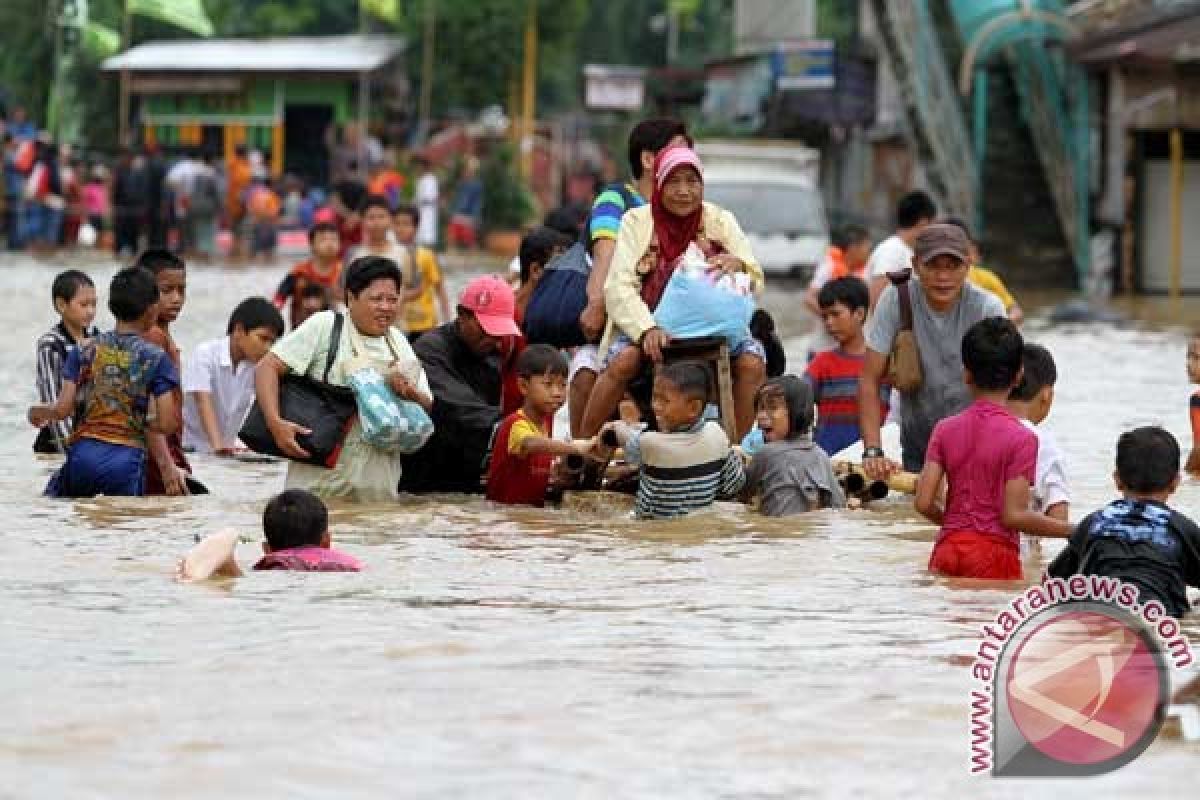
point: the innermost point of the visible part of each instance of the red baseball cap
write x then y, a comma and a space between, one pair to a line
491, 301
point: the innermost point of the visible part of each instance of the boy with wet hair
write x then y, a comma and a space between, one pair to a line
129, 385
1030, 402
988, 461
687, 464
296, 524
833, 374
74, 297
168, 471
218, 381
1139, 538
525, 448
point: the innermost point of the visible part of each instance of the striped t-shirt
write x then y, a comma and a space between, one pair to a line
833, 376
611, 204
684, 471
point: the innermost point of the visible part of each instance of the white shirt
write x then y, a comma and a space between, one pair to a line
230, 387
427, 204
890, 255
1050, 486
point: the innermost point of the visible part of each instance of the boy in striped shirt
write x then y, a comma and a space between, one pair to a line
687, 464
833, 374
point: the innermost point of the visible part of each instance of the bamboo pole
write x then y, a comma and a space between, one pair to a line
123, 101
428, 44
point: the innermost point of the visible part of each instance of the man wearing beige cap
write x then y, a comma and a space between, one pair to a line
944, 306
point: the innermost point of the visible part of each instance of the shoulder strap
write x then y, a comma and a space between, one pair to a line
335, 344
901, 281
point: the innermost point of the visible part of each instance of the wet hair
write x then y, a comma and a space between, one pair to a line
567, 220
256, 312
1039, 372
410, 211
364, 271
538, 246
913, 208
797, 396
375, 201
762, 328
322, 227
992, 350
652, 135
1147, 459
158, 260
961, 225
850, 235
295, 518
67, 284
133, 290
847, 290
541, 359
690, 377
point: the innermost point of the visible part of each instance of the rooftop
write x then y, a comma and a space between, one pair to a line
351, 53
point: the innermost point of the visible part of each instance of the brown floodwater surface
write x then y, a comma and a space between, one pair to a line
515, 653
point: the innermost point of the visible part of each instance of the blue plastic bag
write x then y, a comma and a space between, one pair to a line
388, 423
692, 306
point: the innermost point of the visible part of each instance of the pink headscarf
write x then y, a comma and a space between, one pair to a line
673, 232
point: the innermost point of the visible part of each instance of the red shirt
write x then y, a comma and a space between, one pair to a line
981, 450
518, 480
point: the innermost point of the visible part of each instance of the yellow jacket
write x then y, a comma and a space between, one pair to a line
627, 312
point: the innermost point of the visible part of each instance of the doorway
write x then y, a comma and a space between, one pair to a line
305, 154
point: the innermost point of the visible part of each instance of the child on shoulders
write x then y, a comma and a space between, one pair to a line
218, 379
1139, 538
124, 379
833, 374
525, 448
687, 464
296, 524
74, 297
988, 461
1030, 402
790, 473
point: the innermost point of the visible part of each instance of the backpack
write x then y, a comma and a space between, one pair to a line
204, 201
552, 316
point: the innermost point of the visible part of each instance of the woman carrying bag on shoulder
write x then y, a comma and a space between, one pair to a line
368, 336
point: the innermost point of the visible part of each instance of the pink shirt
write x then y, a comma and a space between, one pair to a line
310, 559
95, 199
981, 450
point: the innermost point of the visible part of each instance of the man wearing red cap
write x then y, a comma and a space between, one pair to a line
462, 361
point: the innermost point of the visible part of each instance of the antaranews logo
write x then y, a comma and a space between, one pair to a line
1073, 678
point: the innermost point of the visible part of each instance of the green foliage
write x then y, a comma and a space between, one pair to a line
507, 203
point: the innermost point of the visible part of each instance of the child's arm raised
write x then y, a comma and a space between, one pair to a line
927, 500
1016, 513
42, 415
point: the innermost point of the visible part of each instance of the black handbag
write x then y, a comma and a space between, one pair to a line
324, 409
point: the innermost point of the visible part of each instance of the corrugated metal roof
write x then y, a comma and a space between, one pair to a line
354, 53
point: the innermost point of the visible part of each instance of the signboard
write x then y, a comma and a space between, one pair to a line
804, 65
614, 88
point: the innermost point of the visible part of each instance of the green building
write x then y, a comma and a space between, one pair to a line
277, 95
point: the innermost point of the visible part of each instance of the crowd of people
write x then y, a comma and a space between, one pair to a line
421, 396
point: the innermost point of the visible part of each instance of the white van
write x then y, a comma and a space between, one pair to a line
772, 190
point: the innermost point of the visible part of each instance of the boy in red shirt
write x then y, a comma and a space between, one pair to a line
988, 461
524, 448
323, 270
833, 374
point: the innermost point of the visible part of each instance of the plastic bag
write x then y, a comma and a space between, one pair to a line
697, 302
388, 423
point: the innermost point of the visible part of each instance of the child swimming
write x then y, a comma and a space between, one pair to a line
790, 473
296, 524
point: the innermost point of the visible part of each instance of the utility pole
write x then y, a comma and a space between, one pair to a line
529, 90
425, 109
123, 102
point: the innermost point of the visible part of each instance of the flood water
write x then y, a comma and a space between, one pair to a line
522, 653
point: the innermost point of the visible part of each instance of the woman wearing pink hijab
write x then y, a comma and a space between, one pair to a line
652, 242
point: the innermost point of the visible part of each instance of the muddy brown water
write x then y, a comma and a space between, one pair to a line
521, 653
